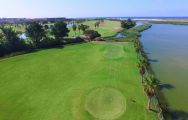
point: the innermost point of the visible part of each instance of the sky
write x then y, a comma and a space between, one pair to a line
92, 8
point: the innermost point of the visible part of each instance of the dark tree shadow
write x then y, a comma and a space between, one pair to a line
178, 115
153, 60
166, 86
147, 53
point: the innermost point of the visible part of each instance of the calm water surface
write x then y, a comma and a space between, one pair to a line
167, 48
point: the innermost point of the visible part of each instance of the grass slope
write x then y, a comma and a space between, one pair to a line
130, 34
53, 84
108, 28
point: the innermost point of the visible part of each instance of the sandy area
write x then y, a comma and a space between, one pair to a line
104, 42
118, 28
152, 19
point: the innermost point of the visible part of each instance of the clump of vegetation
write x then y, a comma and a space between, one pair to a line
46, 27
91, 34
74, 28
36, 32
83, 27
127, 24
97, 24
38, 36
9, 41
60, 30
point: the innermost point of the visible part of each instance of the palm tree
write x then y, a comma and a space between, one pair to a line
149, 88
79, 28
74, 27
142, 71
137, 51
143, 61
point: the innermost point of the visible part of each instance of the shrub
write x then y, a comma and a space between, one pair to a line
49, 42
128, 24
60, 30
36, 32
91, 34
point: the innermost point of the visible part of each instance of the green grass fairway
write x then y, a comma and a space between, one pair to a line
17, 28
108, 28
64, 84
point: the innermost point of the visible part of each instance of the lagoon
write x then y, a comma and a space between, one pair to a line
167, 49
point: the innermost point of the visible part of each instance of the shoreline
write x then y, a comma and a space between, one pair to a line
160, 103
165, 21
176, 108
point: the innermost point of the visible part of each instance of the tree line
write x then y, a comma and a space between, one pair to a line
39, 36
148, 79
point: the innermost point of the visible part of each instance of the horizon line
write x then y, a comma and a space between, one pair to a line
97, 17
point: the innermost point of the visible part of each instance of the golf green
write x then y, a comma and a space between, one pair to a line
105, 103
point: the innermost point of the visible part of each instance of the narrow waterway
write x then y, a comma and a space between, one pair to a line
167, 49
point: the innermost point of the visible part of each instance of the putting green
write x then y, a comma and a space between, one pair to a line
113, 51
105, 103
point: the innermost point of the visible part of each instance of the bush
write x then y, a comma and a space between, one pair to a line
36, 32
74, 40
49, 42
10, 42
83, 27
128, 24
2, 49
60, 30
91, 34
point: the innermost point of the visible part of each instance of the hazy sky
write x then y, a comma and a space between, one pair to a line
92, 8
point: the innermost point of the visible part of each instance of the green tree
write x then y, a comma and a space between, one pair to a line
36, 32
149, 88
60, 30
79, 28
46, 27
84, 27
137, 51
127, 24
91, 34
131, 23
74, 27
142, 71
97, 24
10, 40
2, 44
